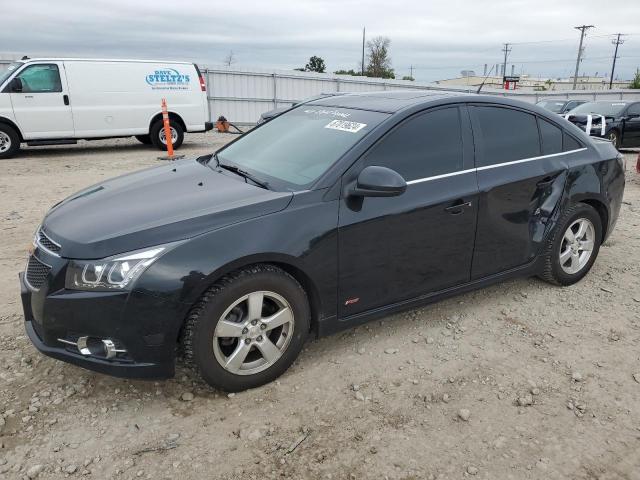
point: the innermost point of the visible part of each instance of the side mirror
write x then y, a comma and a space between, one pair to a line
16, 85
374, 181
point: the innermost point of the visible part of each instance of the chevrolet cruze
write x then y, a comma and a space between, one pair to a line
336, 212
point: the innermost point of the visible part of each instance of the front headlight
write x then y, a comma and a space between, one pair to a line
112, 273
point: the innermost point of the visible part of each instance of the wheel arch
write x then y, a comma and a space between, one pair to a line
13, 125
172, 116
286, 263
603, 212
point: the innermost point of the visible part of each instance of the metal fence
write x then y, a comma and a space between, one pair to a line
241, 95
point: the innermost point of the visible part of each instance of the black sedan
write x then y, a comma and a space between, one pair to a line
559, 106
334, 213
622, 121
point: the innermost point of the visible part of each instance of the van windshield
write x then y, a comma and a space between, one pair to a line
7, 71
294, 149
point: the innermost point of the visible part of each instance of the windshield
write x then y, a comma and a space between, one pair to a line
608, 109
555, 107
5, 72
296, 148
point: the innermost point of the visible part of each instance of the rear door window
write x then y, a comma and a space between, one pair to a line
506, 135
634, 109
423, 146
551, 137
569, 143
40, 79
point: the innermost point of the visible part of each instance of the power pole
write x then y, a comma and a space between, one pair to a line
363, 35
616, 42
506, 51
411, 69
583, 29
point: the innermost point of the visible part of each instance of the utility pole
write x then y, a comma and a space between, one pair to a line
411, 69
616, 42
583, 29
363, 35
506, 51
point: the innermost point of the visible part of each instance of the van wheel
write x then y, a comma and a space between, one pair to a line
146, 139
573, 246
247, 329
158, 137
9, 141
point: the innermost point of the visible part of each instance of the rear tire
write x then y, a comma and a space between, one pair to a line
157, 134
573, 246
247, 329
614, 138
9, 141
144, 139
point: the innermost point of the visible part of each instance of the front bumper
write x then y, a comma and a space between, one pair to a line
143, 325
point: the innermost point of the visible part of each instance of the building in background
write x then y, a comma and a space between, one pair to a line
530, 84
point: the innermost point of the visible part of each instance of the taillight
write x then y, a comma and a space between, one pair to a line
203, 85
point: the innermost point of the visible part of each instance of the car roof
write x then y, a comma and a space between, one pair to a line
386, 101
395, 101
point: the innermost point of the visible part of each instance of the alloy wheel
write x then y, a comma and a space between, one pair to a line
253, 333
577, 246
613, 138
163, 137
5, 142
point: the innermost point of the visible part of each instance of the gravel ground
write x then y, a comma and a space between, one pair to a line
521, 380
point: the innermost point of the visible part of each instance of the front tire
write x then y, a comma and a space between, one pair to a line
9, 141
573, 246
158, 137
247, 329
614, 138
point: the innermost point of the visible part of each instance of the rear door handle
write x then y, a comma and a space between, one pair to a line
65, 98
458, 207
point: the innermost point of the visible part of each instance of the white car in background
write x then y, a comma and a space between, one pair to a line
54, 101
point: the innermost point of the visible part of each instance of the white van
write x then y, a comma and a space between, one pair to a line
48, 101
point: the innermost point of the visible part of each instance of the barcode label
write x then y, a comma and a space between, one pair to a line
345, 126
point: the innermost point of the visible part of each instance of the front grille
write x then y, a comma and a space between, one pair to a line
36, 272
47, 243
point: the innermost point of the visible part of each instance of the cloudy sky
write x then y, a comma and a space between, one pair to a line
438, 38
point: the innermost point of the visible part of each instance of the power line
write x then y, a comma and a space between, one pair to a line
617, 42
583, 29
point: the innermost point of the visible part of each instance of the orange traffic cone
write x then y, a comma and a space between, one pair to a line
167, 133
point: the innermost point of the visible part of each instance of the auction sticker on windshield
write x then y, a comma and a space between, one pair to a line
345, 126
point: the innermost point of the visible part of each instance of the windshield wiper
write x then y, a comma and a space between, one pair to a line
242, 173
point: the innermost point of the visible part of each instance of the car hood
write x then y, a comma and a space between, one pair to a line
155, 206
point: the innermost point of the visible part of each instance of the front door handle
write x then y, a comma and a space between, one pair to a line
458, 207
65, 98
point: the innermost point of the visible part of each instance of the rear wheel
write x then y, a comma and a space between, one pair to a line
614, 139
573, 246
145, 139
247, 329
9, 141
159, 139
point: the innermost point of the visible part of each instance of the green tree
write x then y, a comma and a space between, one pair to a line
408, 77
316, 64
351, 71
636, 81
378, 58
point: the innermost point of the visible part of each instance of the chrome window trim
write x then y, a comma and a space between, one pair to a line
487, 167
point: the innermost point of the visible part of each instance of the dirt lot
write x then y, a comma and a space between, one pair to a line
521, 380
